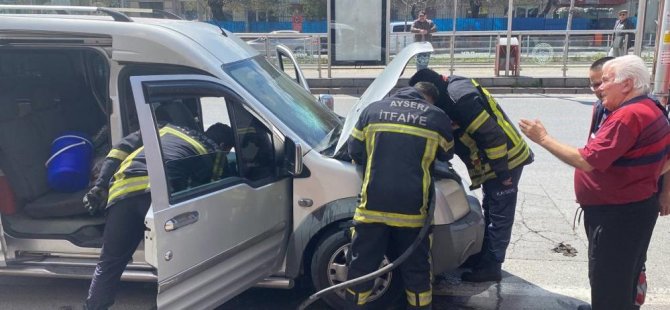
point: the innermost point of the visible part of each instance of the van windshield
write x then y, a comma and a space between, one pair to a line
291, 103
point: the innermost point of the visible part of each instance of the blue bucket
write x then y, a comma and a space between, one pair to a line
69, 167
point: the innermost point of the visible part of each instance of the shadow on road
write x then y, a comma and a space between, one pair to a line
449, 293
274, 299
512, 293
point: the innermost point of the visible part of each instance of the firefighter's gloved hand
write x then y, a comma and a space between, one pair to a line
508, 182
95, 200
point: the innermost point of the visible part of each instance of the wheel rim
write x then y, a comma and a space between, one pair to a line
337, 273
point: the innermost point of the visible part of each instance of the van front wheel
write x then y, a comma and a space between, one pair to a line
329, 267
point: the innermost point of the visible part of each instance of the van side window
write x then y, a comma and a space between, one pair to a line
239, 150
255, 145
127, 102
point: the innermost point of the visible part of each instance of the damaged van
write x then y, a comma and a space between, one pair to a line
288, 191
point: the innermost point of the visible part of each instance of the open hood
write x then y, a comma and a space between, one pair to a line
380, 87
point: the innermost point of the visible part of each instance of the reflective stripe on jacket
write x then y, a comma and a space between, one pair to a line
398, 139
487, 142
128, 161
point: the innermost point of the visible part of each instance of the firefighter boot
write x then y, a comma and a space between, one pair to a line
484, 274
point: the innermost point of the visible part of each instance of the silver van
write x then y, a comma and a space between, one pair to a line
288, 192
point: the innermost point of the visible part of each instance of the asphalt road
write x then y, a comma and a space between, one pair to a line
535, 277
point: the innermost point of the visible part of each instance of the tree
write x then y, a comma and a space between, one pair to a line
411, 7
315, 9
547, 7
475, 5
258, 6
216, 7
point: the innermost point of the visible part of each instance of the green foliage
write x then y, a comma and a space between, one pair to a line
217, 7
315, 9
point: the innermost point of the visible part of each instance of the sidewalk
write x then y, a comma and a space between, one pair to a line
533, 79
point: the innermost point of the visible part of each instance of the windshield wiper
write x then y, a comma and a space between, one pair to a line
332, 137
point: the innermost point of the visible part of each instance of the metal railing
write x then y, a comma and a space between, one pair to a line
541, 48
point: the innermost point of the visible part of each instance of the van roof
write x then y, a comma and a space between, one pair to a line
148, 40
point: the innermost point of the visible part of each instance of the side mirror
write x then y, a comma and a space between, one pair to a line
293, 158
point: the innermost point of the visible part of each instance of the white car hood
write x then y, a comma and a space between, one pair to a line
380, 87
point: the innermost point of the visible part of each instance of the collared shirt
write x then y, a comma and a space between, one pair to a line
627, 153
599, 116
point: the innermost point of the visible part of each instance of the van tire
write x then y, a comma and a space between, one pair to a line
330, 251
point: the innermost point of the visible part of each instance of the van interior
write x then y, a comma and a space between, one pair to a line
44, 94
47, 93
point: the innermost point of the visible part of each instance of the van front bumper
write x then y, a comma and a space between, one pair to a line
454, 243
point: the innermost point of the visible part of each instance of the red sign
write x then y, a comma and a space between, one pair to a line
297, 22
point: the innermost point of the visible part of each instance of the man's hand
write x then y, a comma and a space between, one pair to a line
664, 199
534, 130
95, 200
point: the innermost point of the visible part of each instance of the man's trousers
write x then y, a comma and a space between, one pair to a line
499, 204
124, 230
618, 236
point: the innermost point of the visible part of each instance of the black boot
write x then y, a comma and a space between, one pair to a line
472, 261
485, 274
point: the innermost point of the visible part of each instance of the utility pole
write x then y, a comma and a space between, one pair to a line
566, 43
662, 74
508, 51
639, 32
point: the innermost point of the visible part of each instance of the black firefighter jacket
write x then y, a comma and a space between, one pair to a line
396, 140
486, 141
190, 159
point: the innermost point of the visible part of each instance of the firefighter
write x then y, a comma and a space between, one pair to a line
396, 140
122, 191
494, 153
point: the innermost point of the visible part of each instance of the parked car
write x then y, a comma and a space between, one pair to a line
278, 213
400, 36
300, 44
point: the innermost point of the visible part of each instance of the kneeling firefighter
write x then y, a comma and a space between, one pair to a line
396, 140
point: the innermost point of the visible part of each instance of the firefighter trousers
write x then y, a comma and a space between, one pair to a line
499, 204
369, 244
124, 230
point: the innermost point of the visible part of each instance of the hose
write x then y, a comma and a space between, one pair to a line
388, 268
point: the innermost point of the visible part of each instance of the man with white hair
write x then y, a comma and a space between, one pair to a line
616, 179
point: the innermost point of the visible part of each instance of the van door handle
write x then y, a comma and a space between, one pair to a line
181, 220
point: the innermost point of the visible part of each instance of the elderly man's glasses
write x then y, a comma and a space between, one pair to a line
622, 14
